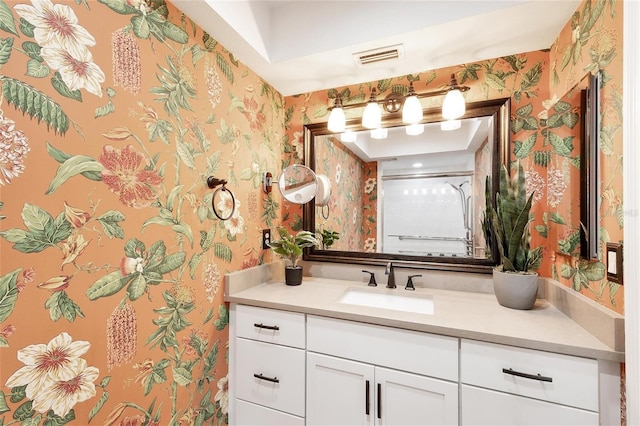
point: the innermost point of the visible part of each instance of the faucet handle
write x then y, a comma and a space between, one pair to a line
372, 279
409, 285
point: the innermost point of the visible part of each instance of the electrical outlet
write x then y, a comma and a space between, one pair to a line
266, 238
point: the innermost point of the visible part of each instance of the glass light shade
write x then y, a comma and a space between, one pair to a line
414, 129
348, 136
453, 106
372, 116
450, 125
379, 133
337, 121
412, 110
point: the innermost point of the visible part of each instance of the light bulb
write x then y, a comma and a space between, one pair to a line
379, 133
453, 106
414, 129
412, 110
337, 121
372, 116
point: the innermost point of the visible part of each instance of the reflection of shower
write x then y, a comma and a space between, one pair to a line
465, 201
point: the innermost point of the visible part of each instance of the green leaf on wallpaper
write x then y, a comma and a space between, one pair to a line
517, 63
3, 399
222, 251
61, 87
137, 287
75, 165
206, 238
4, 343
8, 293
32, 50
37, 69
181, 376
557, 218
34, 103
104, 110
202, 212
140, 27
494, 81
155, 255
59, 304
592, 15
18, 393
209, 42
384, 84
522, 149
108, 285
186, 155
172, 262
24, 411
120, 7
524, 111
7, 22
224, 66
175, 33
568, 245
184, 229
26, 27
223, 318
134, 248
197, 53
109, 221
98, 405
593, 271
542, 230
531, 78
542, 158
6, 44
193, 264
562, 146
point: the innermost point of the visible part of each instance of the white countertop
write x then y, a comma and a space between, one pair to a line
461, 314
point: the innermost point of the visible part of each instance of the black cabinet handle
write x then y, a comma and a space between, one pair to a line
268, 379
367, 399
527, 376
379, 401
267, 327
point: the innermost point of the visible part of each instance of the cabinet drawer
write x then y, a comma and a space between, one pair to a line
248, 414
482, 407
420, 353
283, 375
570, 380
269, 325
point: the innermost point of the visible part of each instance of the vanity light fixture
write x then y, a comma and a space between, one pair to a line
453, 106
379, 133
450, 125
414, 129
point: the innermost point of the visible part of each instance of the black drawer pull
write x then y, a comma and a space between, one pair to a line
379, 401
527, 376
367, 403
267, 327
268, 379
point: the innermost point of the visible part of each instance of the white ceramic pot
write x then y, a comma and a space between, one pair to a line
515, 290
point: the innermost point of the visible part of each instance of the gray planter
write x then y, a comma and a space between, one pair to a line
515, 290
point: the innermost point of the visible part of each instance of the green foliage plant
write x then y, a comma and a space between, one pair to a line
290, 247
329, 237
510, 220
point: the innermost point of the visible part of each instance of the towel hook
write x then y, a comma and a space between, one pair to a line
213, 182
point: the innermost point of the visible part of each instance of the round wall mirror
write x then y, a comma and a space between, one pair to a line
298, 184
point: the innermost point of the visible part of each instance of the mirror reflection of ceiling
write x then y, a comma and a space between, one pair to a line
398, 145
301, 46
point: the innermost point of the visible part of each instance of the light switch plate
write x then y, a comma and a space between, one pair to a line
266, 239
614, 263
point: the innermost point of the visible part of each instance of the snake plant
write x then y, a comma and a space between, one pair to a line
510, 223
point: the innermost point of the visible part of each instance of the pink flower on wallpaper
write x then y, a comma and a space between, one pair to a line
127, 176
125, 58
214, 86
76, 217
7, 330
27, 276
556, 186
14, 147
73, 247
211, 281
369, 185
534, 182
255, 116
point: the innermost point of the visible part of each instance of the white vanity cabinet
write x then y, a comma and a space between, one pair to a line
504, 385
268, 366
348, 382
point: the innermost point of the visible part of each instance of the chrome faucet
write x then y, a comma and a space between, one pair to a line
391, 283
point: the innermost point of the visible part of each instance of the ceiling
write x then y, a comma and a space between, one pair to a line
300, 46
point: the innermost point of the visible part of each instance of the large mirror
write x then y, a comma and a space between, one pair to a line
417, 200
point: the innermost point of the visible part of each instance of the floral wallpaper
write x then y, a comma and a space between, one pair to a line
345, 210
542, 137
113, 115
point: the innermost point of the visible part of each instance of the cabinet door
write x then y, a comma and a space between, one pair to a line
339, 392
487, 407
409, 399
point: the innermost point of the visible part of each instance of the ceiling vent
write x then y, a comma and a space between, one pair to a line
387, 53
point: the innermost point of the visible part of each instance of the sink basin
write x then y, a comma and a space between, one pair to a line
416, 303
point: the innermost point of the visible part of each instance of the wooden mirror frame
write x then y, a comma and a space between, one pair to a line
590, 170
499, 109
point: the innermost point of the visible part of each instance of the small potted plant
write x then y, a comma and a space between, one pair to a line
290, 247
515, 282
